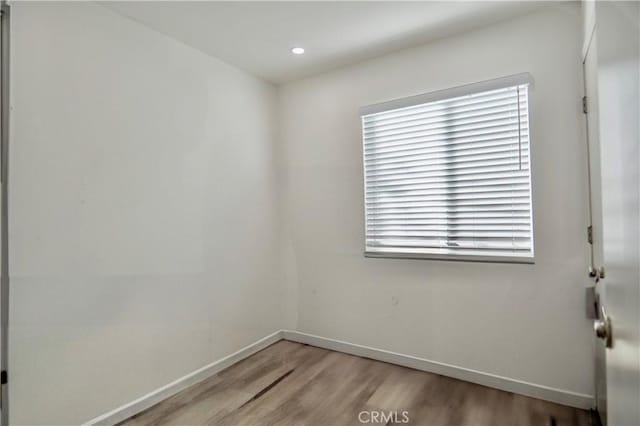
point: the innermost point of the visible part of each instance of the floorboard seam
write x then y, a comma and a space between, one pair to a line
268, 387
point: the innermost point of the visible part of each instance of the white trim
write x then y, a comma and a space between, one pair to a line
467, 89
559, 396
527, 260
564, 397
125, 411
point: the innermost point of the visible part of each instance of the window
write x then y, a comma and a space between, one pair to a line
447, 174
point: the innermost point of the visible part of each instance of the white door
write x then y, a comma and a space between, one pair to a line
591, 92
612, 77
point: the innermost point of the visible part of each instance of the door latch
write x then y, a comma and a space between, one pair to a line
603, 329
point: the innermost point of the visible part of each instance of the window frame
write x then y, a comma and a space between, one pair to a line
467, 89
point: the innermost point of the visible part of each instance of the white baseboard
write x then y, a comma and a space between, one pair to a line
124, 412
559, 396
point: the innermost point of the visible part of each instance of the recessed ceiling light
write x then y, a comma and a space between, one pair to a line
297, 50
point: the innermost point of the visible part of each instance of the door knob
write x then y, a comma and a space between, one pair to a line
602, 327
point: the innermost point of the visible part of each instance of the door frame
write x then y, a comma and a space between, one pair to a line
4, 213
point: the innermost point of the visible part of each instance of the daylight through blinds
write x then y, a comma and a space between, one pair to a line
450, 177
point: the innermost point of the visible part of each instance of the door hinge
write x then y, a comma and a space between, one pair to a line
585, 108
590, 234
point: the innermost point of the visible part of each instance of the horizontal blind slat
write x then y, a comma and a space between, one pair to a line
444, 230
450, 123
449, 192
458, 102
469, 172
454, 163
453, 179
521, 243
506, 102
486, 208
510, 150
448, 215
450, 201
435, 248
495, 126
489, 183
487, 139
431, 223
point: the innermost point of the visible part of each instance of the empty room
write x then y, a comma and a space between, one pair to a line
320, 213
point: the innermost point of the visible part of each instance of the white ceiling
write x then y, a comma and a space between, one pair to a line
257, 36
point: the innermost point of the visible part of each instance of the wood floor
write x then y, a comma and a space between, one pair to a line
293, 384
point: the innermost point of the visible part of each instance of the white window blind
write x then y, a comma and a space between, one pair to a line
447, 174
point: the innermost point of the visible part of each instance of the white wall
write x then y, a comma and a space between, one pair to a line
525, 322
143, 221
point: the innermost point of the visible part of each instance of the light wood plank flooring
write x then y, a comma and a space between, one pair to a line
293, 384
